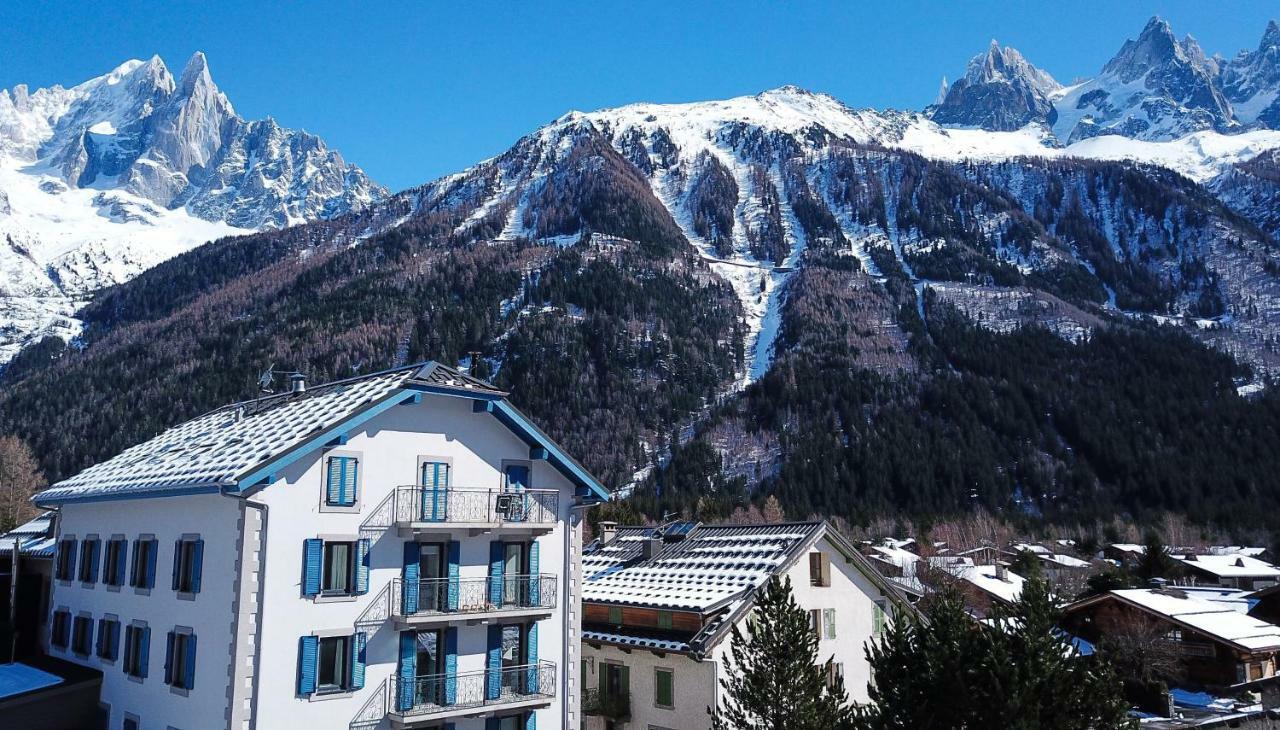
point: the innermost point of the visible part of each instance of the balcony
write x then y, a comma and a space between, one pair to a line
425, 700
446, 600
614, 705
415, 510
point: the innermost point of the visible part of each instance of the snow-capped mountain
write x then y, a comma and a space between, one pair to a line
1251, 81
107, 178
999, 91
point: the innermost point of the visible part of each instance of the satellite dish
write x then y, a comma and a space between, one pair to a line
266, 379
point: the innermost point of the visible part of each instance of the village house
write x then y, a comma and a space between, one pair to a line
1220, 648
659, 604
398, 549
986, 587
1229, 570
33, 570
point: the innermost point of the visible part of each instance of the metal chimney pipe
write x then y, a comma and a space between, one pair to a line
297, 383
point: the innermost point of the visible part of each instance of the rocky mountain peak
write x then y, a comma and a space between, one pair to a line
1270, 37
1000, 91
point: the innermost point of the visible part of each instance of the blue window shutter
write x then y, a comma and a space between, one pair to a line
333, 481
358, 642
491, 723
151, 563
408, 670
308, 648
144, 661
450, 665
350, 475
177, 559
531, 658
312, 557
454, 562
114, 641
100, 644
531, 720
535, 585
362, 565
496, 568
189, 671
94, 552
517, 477
493, 688
69, 547
197, 566
412, 554
122, 558
168, 658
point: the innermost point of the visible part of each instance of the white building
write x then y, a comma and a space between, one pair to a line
399, 549
659, 605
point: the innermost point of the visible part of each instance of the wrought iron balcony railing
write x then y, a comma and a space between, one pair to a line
424, 506
442, 693
444, 596
613, 705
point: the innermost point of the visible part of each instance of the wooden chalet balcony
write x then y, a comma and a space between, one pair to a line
423, 701
414, 510
457, 600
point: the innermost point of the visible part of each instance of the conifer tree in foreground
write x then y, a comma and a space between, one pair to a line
774, 681
946, 672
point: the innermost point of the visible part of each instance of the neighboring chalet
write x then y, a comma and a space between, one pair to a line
35, 542
1221, 649
659, 604
985, 587
398, 549
1237, 571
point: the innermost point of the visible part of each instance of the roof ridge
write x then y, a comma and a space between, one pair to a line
318, 389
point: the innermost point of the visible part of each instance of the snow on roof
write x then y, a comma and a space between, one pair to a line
1128, 547
35, 537
1231, 566
904, 559
1231, 598
1252, 552
1064, 560
710, 567
1032, 548
1208, 618
986, 578
216, 450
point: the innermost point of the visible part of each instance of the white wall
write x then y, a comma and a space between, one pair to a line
216, 519
390, 445
694, 688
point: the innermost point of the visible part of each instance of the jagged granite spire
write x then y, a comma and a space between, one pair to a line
1000, 90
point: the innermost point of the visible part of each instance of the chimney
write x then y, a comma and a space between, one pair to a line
297, 383
1002, 573
608, 531
651, 547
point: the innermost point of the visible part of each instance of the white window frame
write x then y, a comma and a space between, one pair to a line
670, 670
351, 594
321, 635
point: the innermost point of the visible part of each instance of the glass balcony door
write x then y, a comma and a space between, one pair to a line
431, 568
515, 558
429, 666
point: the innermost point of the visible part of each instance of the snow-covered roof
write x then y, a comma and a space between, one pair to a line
35, 537
1252, 552
1128, 547
904, 559
1213, 620
710, 567
1231, 598
1063, 560
1230, 566
223, 448
987, 578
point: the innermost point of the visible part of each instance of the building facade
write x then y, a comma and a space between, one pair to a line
659, 605
395, 550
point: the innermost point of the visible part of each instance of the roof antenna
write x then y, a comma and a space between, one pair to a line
265, 380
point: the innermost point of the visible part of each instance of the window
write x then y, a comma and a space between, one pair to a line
188, 554
180, 659
332, 664
137, 649
60, 630
878, 619
815, 622
109, 638
66, 567
834, 671
829, 623
339, 566
142, 575
664, 619
819, 569
113, 564
82, 635
664, 688
342, 480
130, 723
89, 551
615, 615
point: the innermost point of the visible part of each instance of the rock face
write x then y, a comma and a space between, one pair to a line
105, 179
1000, 91
1251, 81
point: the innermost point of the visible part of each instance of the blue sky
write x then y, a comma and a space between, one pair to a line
411, 91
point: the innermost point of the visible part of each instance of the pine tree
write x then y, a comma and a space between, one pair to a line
1155, 562
774, 681
947, 672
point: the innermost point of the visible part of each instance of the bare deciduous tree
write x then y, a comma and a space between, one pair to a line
20, 477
